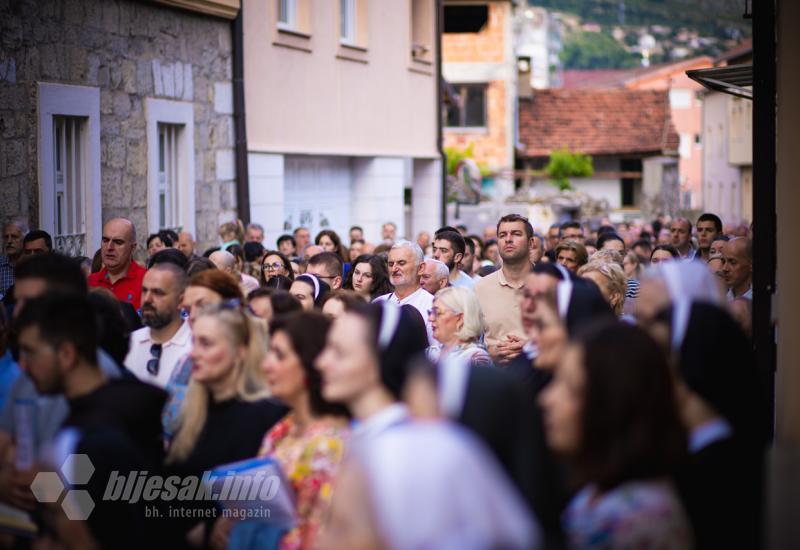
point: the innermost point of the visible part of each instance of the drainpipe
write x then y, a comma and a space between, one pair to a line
240, 130
439, 106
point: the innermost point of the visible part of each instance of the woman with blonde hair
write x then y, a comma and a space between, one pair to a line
225, 413
611, 281
456, 321
231, 233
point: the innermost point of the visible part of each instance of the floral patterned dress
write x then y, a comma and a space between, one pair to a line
310, 461
639, 515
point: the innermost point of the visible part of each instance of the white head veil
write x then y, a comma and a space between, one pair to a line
433, 485
687, 282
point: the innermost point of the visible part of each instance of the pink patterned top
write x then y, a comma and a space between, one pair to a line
310, 461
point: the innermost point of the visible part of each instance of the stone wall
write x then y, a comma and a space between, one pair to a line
130, 50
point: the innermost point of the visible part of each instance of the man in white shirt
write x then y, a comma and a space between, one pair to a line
449, 248
165, 339
406, 265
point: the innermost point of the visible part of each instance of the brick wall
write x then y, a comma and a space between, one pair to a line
487, 46
131, 51
490, 145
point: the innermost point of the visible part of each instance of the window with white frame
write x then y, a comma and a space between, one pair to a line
287, 14
347, 31
168, 174
170, 165
69, 221
69, 167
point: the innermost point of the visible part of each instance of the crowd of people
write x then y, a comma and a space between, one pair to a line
589, 386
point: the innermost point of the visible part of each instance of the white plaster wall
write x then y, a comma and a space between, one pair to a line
608, 189
426, 196
377, 194
266, 194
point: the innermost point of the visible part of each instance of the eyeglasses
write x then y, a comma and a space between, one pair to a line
436, 313
155, 359
272, 267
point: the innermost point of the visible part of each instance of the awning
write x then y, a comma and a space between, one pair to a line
734, 79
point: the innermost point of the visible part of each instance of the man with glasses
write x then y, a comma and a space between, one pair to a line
328, 267
156, 348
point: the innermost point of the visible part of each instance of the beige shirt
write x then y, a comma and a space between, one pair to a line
500, 302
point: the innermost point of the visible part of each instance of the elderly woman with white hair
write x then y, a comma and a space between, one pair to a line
457, 320
610, 279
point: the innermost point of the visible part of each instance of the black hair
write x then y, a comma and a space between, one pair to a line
469, 243
163, 236
455, 239
510, 218
37, 234
668, 247
253, 251
357, 228
285, 238
605, 237
380, 275
58, 271
113, 330
571, 224
63, 317
287, 265
279, 282
443, 229
643, 242
709, 217
210, 251
306, 331
169, 256
605, 229
548, 268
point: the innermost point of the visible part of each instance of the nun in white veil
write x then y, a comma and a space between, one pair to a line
427, 484
678, 284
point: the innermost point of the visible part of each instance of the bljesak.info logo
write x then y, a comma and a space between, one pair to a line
251, 489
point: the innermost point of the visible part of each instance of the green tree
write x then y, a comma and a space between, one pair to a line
595, 50
564, 164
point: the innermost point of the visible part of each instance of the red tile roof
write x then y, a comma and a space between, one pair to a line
594, 78
596, 122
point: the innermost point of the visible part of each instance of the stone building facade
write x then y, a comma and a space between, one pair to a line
116, 108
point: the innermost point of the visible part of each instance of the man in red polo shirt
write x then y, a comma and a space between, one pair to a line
120, 274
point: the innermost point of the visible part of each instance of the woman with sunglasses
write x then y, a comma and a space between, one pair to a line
225, 413
275, 263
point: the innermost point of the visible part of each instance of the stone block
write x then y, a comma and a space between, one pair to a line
223, 97
168, 80
78, 65
225, 164
115, 152
136, 157
122, 104
8, 70
129, 76
15, 158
